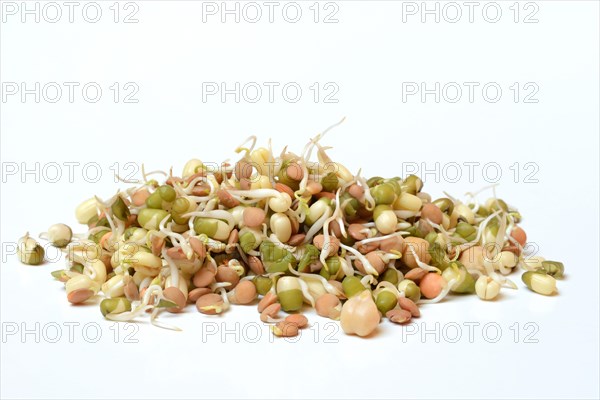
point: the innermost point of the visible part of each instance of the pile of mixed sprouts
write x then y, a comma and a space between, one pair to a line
292, 232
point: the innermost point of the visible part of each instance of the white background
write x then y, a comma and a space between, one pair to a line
368, 54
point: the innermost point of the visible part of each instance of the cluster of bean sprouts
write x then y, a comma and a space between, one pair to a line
290, 231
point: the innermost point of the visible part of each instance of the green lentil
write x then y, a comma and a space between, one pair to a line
386, 301
115, 305
154, 201
553, 268
390, 275
352, 286
120, 209
263, 284
167, 193
330, 182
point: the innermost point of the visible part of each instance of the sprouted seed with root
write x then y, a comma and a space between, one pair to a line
290, 236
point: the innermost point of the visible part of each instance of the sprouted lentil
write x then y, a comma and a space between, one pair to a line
296, 234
